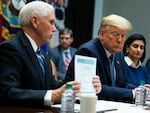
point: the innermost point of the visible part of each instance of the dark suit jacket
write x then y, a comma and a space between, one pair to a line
21, 79
95, 49
57, 57
148, 65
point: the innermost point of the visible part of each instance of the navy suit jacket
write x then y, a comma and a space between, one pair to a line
95, 49
57, 57
21, 79
148, 65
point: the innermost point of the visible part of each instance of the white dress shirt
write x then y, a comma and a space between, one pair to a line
131, 63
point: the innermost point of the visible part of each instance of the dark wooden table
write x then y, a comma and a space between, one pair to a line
27, 110
34, 110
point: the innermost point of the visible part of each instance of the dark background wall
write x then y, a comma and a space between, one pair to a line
79, 17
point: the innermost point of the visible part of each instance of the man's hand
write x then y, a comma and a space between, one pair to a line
56, 94
148, 91
97, 84
147, 107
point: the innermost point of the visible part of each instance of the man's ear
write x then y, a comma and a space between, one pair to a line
34, 21
101, 34
72, 39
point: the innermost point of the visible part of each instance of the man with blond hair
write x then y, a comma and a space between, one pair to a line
112, 72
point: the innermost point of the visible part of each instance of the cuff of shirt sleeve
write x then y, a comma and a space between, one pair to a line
134, 93
48, 98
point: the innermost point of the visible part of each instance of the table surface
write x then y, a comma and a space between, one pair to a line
102, 107
120, 107
26, 110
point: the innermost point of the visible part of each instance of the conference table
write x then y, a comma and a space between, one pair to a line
101, 107
27, 110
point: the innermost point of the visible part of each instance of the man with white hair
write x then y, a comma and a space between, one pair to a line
25, 71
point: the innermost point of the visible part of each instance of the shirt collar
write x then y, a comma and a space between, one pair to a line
131, 63
34, 46
66, 50
107, 53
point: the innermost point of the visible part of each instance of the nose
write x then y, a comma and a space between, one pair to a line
120, 39
139, 49
54, 28
64, 40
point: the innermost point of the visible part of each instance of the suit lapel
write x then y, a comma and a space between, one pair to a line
102, 57
60, 53
48, 72
32, 56
71, 52
61, 60
117, 67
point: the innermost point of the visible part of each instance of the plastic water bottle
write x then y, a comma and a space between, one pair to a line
67, 100
140, 99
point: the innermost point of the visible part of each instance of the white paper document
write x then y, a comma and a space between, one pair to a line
85, 69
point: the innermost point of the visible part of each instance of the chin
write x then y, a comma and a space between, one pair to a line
117, 51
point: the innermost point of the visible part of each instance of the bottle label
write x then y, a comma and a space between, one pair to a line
140, 96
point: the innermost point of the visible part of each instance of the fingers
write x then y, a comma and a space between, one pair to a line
75, 87
148, 95
77, 94
147, 85
97, 84
148, 91
56, 94
147, 107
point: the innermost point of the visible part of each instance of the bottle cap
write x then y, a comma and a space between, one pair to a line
68, 86
142, 82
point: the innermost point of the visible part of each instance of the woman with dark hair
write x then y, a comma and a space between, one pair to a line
134, 54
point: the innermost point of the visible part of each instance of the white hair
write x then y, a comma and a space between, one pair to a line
38, 8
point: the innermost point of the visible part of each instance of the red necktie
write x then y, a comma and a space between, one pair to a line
66, 60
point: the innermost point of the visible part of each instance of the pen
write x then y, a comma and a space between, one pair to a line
103, 111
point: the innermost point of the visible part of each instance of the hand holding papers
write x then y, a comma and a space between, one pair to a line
85, 70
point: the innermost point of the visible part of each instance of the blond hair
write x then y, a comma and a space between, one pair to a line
115, 20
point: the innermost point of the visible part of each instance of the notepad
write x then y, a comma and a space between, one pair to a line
85, 70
